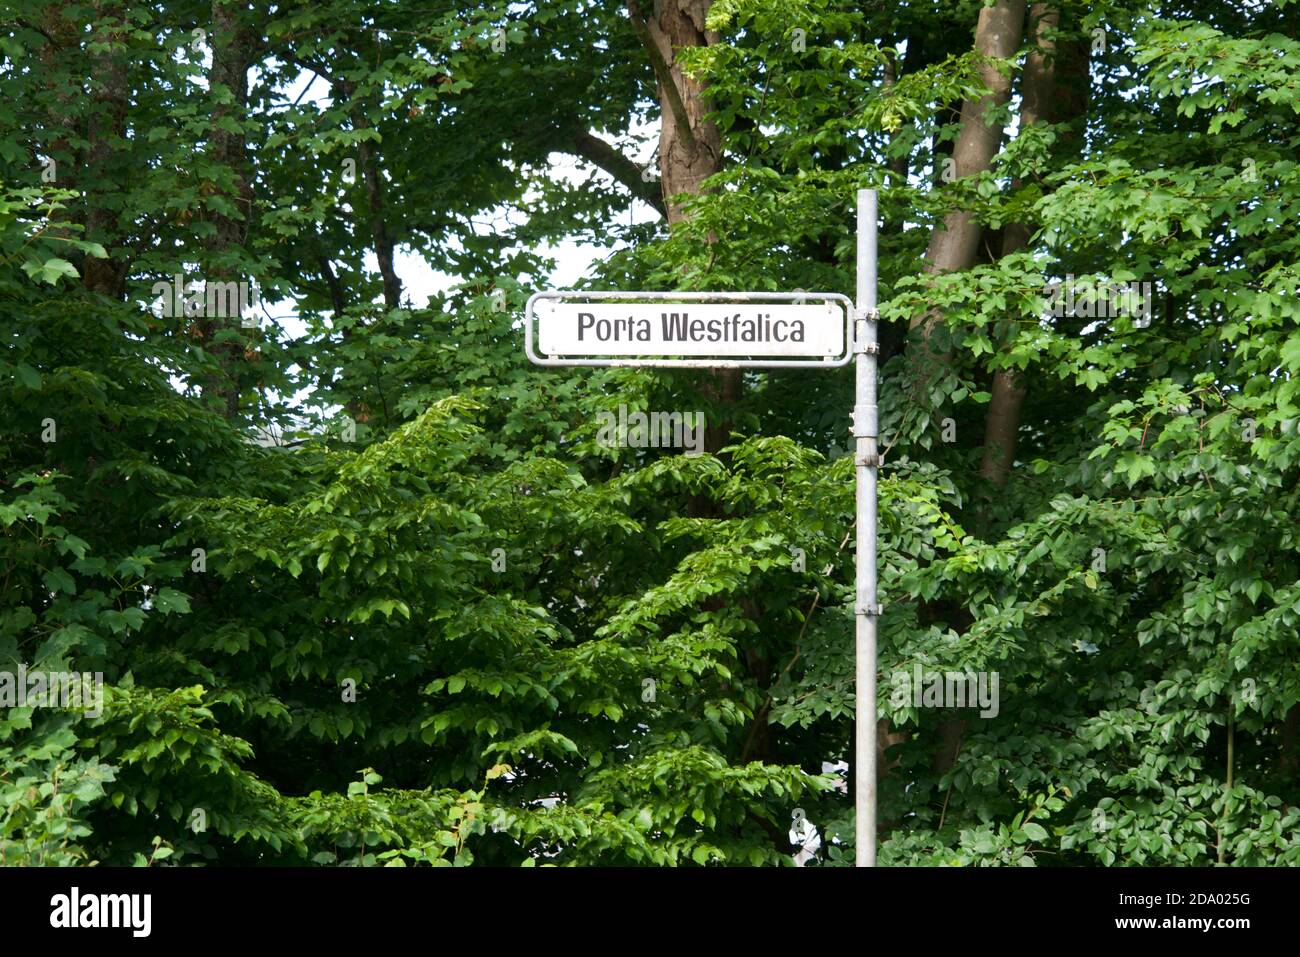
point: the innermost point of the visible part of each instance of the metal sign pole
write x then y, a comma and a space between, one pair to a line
865, 430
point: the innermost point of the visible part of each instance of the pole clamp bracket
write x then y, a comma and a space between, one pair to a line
873, 610
860, 344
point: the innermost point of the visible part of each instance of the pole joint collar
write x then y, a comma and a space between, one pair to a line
866, 423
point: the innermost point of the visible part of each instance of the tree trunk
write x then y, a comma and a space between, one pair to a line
62, 119
690, 144
893, 72
1290, 761
1043, 99
383, 242
232, 56
998, 34
954, 245
106, 127
1002, 423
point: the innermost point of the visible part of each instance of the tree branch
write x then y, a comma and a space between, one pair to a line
604, 156
662, 72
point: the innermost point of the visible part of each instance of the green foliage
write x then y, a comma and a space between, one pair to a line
436, 623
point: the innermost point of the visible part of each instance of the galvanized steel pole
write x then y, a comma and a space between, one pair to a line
866, 431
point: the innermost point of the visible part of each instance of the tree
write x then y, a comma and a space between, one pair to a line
390, 600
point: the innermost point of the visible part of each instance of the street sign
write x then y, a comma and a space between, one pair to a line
729, 330
715, 330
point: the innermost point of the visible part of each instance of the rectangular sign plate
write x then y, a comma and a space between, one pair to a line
719, 330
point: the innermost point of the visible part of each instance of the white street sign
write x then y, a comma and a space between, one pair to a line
691, 329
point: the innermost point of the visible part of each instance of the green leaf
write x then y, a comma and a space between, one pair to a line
169, 600
28, 376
